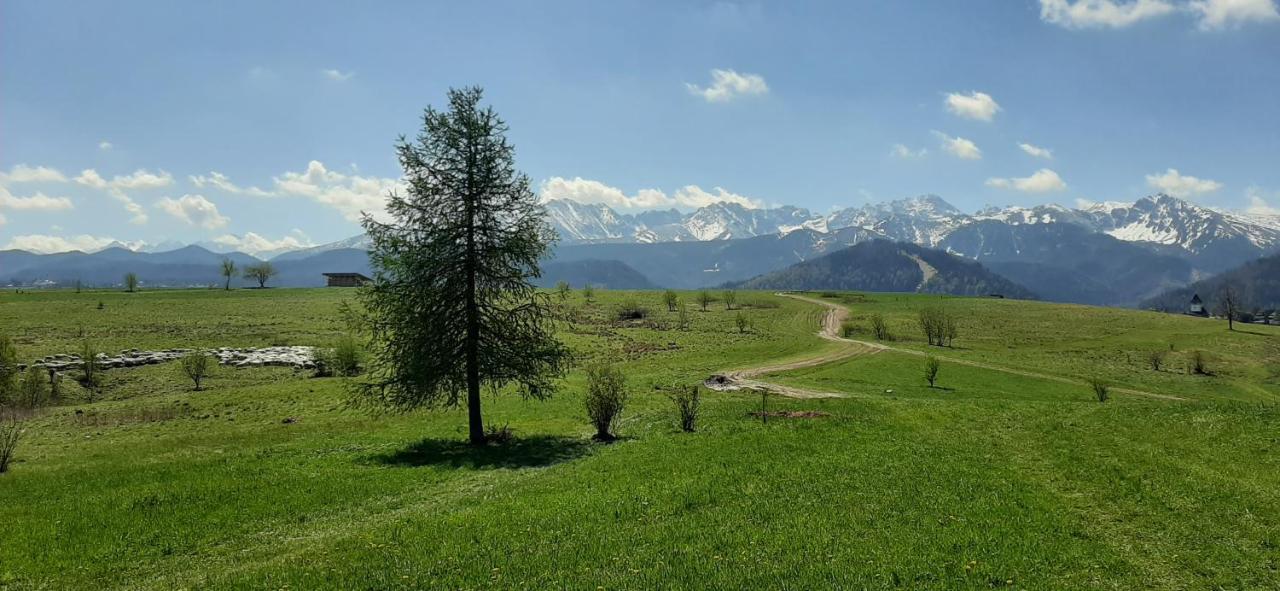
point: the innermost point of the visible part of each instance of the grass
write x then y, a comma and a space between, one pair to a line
991, 480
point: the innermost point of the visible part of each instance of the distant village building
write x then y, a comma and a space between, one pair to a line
1196, 308
346, 279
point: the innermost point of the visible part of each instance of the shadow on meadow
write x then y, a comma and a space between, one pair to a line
525, 452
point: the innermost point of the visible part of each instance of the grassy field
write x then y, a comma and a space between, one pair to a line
993, 480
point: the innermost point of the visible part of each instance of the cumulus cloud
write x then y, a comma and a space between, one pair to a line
337, 75
1220, 14
1096, 14
222, 181
588, 191
350, 194
105, 145
140, 179
1036, 151
1041, 181
45, 244
194, 210
37, 202
1181, 185
256, 244
975, 105
727, 85
901, 151
959, 147
28, 174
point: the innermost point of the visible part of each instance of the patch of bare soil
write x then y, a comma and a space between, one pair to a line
790, 414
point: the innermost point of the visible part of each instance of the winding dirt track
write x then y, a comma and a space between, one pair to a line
745, 379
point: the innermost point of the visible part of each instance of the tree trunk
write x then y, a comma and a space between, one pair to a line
476, 421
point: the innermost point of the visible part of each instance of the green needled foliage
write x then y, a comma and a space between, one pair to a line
452, 305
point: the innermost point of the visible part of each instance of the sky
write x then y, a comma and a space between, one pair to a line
262, 125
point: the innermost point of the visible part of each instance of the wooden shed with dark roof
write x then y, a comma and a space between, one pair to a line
346, 279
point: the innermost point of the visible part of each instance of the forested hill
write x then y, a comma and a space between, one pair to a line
882, 265
1256, 283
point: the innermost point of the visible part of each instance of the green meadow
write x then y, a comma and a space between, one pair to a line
1008, 474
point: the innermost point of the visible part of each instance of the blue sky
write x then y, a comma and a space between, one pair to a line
262, 124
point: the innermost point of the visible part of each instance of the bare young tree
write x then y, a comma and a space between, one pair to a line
228, 271
197, 365
131, 282
670, 298
452, 306
1229, 304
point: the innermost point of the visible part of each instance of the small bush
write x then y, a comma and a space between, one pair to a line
931, 366
10, 434
1101, 389
632, 310
131, 282
1155, 359
1196, 364
90, 369
562, 289
848, 329
197, 365
348, 356
688, 400
682, 317
496, 435
606, 398
705, 299
742, 322
33, 390
730, 299
588, 292
879, 328
8, 369
672, 300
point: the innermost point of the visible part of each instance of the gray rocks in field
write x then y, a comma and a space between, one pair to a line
295, 357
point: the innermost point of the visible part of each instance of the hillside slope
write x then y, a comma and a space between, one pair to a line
882, 265
1257, 284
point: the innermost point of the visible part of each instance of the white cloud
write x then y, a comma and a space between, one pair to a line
1258, 203
44, 243
959, 147
1181, 185
27, 174
1041, 181
727, 85
349, 194
256, 244
194, 210
3, 221
337, 75
901, 151
588, 191
37, 202
1036, 151
975, 105
139, 179
105, 145
1094, 14
222, 181
1221, 14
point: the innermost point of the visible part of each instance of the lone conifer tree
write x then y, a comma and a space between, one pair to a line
452, 305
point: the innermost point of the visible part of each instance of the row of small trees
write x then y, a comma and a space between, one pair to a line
261, 272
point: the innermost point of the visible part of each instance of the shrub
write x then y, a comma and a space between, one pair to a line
1196, 364
730, 299
672, 300
348, 356
742, 322
1156, 359
682, 316
588, 292
197, 365
931, 366
848, 328
33, 391
704, 299
131, 282
8, 368
687, 399
879, 328
939, 326
496, 435
1101, 389
562, 289
261, 272
632, 310
90, 369
10, 434
606, 398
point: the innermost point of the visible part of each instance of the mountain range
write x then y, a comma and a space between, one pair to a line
1106, 254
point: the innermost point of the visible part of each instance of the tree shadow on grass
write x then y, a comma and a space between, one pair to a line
525, 452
